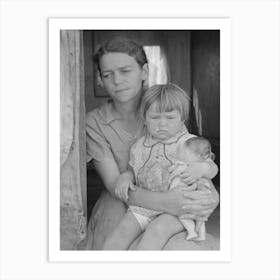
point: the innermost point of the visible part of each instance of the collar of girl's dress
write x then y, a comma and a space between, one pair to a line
149, 141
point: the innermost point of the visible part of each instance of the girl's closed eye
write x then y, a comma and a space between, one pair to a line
154, 117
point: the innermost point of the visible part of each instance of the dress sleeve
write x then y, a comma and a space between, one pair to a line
98, 146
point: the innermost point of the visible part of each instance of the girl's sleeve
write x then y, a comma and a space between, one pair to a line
97, 145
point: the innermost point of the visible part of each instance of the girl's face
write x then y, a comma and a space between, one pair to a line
122, 76
163, 125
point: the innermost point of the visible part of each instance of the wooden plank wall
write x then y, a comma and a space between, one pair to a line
72, 142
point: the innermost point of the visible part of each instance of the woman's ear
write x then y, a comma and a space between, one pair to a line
145, 72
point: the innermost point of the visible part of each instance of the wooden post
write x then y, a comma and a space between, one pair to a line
72, 142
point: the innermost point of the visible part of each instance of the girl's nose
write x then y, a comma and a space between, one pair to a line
162, 122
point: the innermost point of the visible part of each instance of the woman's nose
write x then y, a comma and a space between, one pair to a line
117, 78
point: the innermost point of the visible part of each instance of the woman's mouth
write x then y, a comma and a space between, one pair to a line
120, 90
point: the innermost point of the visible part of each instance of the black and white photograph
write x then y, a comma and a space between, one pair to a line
140, 143
161, 111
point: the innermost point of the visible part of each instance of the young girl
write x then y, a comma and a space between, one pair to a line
164, 109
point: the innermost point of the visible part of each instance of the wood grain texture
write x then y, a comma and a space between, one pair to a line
72, 142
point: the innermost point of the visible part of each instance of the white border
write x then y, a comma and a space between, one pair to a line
55, 25
24, 139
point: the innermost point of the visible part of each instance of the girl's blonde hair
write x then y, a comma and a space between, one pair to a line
168, 97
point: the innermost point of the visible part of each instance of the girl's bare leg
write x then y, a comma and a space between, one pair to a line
159, 231
124, 234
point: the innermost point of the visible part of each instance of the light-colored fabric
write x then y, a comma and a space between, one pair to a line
142, 220
150, 160
106, 138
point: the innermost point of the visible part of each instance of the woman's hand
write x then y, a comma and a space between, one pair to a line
174, 201
196, 205
200, 203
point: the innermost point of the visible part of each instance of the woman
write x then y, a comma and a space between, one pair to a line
111, 131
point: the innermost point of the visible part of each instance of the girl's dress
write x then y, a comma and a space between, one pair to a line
150, 160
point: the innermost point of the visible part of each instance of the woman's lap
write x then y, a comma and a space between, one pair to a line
108, 212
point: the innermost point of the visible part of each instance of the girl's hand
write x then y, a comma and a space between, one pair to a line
121, 190
123, 184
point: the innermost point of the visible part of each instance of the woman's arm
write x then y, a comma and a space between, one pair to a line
109, 172
170, 202
176, 202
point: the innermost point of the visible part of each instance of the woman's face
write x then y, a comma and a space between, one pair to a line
122, 76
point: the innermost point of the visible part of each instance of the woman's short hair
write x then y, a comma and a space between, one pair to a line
122, 45
168, 97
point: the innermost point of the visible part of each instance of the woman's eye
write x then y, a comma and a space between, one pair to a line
125, 71
106, 75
